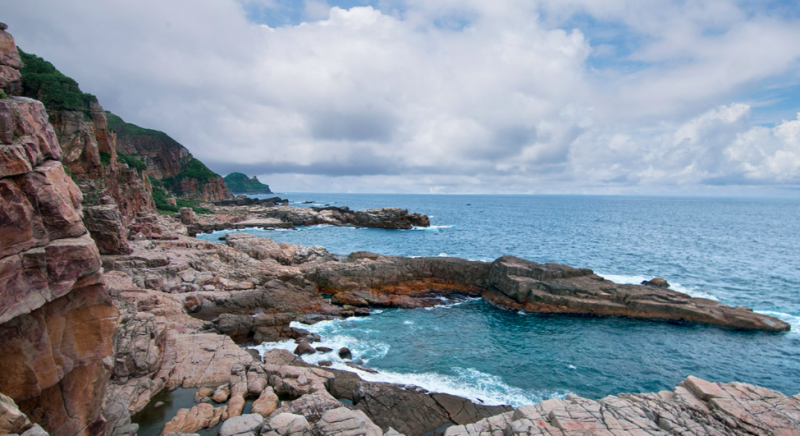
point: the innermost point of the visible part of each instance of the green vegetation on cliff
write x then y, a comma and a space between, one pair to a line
161, 198
121, 128
132, 162
241, 184
194, 169
43, 82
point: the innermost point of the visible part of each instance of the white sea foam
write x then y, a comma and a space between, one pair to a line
467, 382
443, 255
792, 320
449, 303
432, 228
636, 280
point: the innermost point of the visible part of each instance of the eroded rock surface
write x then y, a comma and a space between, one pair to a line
552, 288
56, 317
696, 407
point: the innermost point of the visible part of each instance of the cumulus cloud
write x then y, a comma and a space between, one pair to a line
443, 96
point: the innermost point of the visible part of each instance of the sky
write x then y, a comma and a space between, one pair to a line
449, 96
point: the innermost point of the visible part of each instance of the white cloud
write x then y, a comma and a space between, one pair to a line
450, 96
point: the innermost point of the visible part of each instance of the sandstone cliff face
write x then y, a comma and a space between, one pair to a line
214, 189
56, 318
114, 193
9, 63
169, 161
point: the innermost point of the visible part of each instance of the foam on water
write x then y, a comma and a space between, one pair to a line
637, 280
470, 383
432, 228
792, 320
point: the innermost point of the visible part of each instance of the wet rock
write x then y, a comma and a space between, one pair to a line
324, 349
551, 288
344, 353
656, 283
158, 404
361, 368
324, 363
304, 348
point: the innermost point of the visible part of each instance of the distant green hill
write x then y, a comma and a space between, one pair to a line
239, 183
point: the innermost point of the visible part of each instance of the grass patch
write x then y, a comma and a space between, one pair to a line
122, 128
132, 162
105, 158
160, 196
43, 82
193, 170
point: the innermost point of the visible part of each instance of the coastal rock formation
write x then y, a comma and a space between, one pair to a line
694, 407
392, 281
10, 63
239, 183
114, 193
56, 318
168, 161
269, 216
284, 253
551, 288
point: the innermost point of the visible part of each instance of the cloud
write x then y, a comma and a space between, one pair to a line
453, 96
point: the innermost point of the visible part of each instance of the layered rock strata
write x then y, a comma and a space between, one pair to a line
114, 194
695, 407
519, 284
56, 318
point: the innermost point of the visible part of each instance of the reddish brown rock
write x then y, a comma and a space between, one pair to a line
552, 288
706, 408
197, 418
10, 63
266, 403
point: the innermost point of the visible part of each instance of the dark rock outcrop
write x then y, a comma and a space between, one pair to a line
243, 200
552, 288
393, 281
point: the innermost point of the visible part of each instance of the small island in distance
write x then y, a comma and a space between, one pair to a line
239, 183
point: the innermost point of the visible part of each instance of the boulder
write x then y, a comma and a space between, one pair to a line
191, 420
244, 425
266, 403
304, 348
344, 353
344, 421
287, 424
187, 216
656, 283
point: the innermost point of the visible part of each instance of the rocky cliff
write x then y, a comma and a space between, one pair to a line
56, 318
168, 161
115, 191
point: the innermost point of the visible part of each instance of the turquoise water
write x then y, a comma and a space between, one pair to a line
742, 251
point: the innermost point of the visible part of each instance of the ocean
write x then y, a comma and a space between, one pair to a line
741, 251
